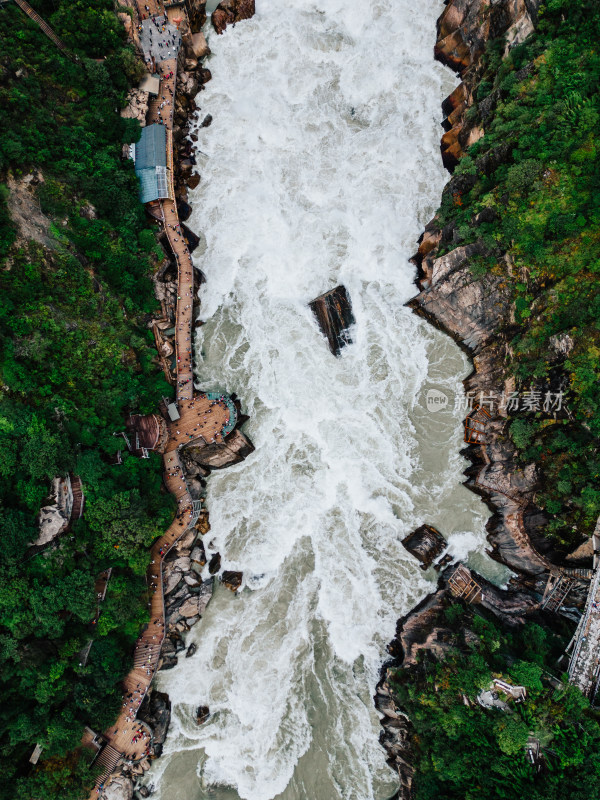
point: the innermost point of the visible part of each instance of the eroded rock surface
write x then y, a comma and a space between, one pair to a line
333, 311
219, 455
228, 12
425, 543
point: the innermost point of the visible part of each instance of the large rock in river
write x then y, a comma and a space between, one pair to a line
425, 543
333, 311
218, 455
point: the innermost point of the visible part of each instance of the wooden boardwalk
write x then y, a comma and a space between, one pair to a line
584, 665
202, 420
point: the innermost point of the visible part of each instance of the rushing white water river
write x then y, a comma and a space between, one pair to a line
321, 167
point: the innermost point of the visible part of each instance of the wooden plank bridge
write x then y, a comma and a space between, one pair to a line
43, 25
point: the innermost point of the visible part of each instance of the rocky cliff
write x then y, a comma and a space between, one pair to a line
475, 310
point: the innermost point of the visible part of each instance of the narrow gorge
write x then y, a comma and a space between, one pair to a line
320, 166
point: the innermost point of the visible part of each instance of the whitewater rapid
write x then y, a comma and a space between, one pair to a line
321, 167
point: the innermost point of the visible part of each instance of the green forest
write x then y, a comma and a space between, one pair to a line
76, 358
463, 751
536, 172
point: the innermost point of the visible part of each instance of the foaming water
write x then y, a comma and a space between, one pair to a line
321, 167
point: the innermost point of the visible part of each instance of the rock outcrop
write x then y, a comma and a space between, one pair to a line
228, 12
137, 106
63, 506
155, 711
425, 630
219, 455
463, 30
25, 211
120, 788
333, 311
475, 309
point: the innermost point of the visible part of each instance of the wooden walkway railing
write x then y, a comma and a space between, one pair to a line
32, 14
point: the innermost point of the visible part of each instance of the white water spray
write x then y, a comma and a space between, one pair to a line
321, 167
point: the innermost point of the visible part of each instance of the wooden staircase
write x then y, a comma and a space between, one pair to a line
557, 594
108, 759
24, 6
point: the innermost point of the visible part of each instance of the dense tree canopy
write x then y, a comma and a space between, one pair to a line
76, 357
541, 121
463, 751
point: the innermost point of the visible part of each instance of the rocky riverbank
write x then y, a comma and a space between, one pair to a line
477, 312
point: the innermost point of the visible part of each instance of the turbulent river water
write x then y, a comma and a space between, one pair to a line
321, 166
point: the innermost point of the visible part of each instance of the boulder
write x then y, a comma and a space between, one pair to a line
204, 595
137, 106
182, 563
190, 608
206, 121
333, 311
155, 711
219, 455
55, 516
191, 650
198, 558
232, 580
214, 565
184, 210
229, 12
172, 580
196, 14
199, 46
202, 714
425, 543
203, 524
185, 544
120, 788
192, 239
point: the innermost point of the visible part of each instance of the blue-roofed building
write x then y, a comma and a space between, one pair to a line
150, 155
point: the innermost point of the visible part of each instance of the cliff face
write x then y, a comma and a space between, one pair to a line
473, 310
462, 33
476, 310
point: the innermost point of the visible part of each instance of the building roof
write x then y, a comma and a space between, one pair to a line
151, 163
150, 83
151, 150
153, 184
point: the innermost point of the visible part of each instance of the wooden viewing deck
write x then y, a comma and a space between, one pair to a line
202, 420
462, 585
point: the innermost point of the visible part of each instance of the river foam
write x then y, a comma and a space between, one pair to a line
321, 166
